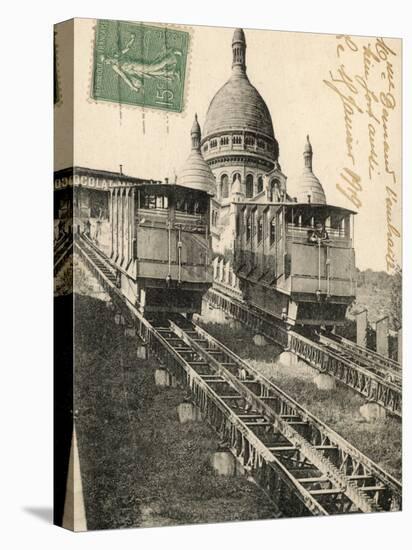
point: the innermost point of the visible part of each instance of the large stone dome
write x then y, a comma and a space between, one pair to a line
196, 173
238, 118
238, 106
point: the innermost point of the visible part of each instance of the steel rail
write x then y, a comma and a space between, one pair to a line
62, 249
269, 472
319, 432
233, 428
364, 381
277, 470
316, 434
365, 357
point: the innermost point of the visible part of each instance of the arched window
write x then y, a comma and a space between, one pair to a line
224, 186
260, 184
249, 186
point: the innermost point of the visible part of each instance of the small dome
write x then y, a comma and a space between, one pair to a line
196, 173
308, 187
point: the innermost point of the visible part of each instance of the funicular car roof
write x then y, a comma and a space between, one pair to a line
300, 205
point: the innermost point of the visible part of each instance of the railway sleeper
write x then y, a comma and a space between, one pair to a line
352, 492
320, 356
234, 397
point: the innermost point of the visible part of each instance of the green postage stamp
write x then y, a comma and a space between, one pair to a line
140, 64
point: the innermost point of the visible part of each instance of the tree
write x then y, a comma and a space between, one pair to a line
396, 299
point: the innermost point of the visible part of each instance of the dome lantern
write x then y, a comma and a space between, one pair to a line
237, 109
308, 154
239, 52
195, 134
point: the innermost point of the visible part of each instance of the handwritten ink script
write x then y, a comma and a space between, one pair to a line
367, 97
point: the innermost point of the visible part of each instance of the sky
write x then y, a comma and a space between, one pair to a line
289, 70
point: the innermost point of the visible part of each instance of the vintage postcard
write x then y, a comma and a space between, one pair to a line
228, 274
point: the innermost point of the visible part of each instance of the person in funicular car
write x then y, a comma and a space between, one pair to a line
319, 234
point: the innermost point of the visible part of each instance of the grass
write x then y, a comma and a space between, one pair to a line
140, 466
339, 409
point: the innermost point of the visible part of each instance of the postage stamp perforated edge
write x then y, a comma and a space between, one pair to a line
144, 108
165, 66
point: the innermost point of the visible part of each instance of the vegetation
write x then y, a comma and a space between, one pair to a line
139, 465
339, 409
381, 294
396, 299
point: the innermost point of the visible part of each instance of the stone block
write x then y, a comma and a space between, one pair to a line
141, 351
286, 359
188, 412
162, 378
372, 411
259, 340
325, 382
382, 337
224, 463
361, 328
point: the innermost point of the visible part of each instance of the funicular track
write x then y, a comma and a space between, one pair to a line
370, 376
364, 357
63, 247
301, 464
94, 255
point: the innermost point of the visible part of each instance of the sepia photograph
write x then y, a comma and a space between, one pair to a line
228, 265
